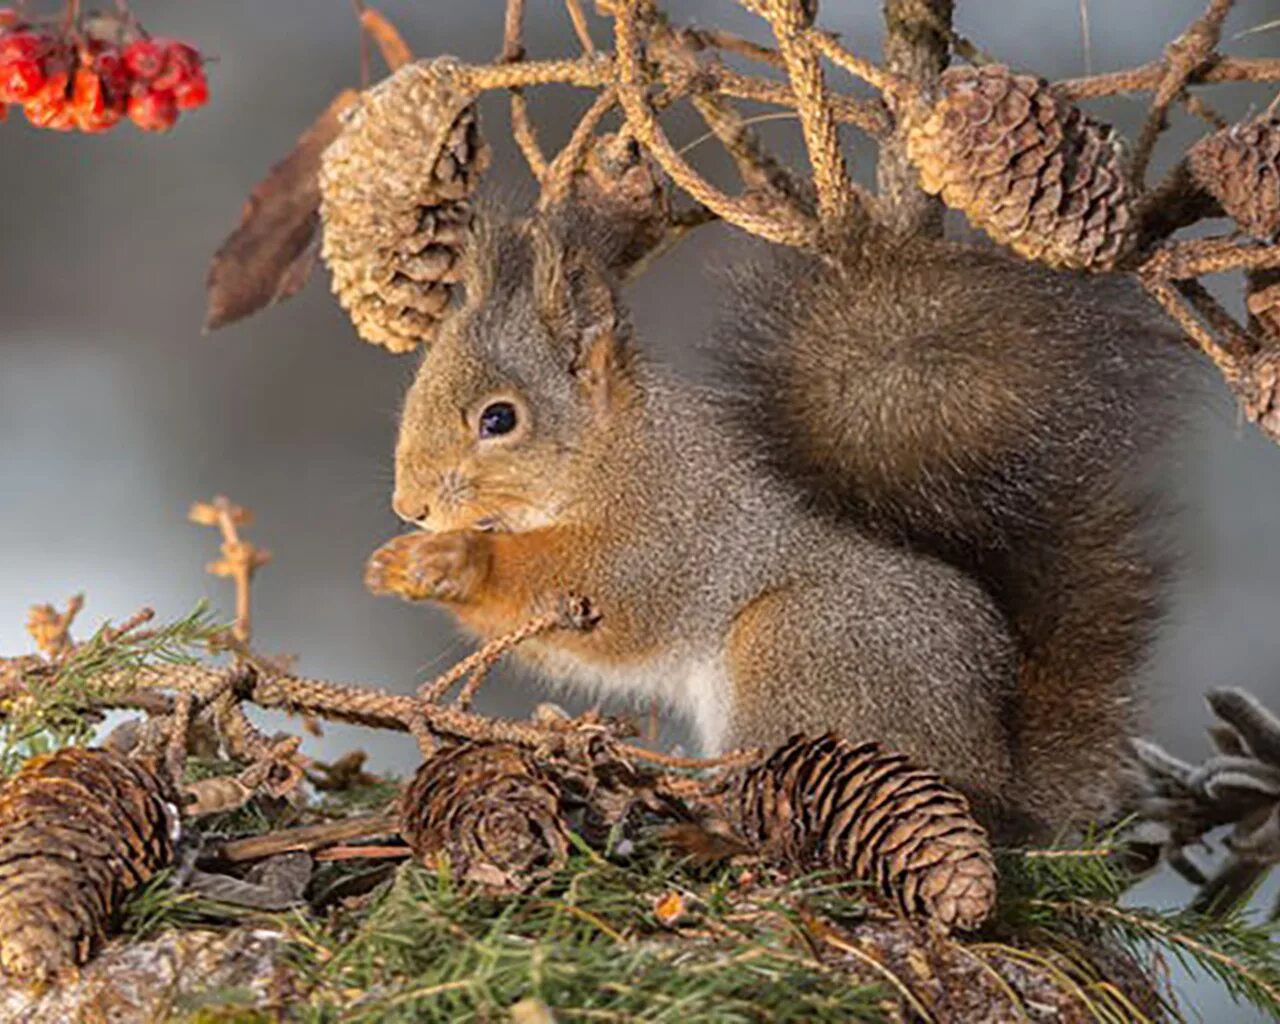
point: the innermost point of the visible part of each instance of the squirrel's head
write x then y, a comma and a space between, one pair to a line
518, 393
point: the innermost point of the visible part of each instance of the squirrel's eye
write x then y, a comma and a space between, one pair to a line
498, 418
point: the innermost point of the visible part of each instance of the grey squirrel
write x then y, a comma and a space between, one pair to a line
910, 511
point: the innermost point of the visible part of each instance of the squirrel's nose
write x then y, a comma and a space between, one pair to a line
411, 510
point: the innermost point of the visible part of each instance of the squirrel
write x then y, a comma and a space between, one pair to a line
911, 509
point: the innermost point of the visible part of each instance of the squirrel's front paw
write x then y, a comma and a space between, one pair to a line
428, 566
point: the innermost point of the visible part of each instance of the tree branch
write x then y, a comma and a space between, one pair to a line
916, 48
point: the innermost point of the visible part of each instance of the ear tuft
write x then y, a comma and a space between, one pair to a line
573, 293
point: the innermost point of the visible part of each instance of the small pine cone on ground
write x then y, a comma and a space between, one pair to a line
490, 810
1025, 165
396, 188
826, 802
1240, 167
79, 830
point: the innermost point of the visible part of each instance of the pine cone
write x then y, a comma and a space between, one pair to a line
1025, 165
1240, 167
831, 803
79, 829
396, 190
490, 810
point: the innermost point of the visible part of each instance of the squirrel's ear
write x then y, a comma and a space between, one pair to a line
601, 366
577, 304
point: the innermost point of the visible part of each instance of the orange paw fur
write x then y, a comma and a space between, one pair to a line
429, 566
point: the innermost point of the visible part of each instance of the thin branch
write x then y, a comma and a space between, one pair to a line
871, 117
704, 38
489, 654
395, 51
1147, 77
1086, 37
357, 6
557, 182
916, 49
521, 125
306, 837
836, 197
644, 123
580, 27
1182, 58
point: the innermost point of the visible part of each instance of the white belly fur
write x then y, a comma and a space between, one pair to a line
695, 686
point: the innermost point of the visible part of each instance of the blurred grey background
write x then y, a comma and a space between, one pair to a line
115, 412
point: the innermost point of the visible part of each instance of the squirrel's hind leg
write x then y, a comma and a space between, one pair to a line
898, 649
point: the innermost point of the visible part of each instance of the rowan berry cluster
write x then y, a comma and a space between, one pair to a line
68, 79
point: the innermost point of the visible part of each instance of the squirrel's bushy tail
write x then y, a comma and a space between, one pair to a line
997, 415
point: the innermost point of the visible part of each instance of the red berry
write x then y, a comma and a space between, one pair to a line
181, 63
98, 123
86, 94
24, 46
50, 108
153, 111
20, 80
8, 17
110, 68
192, 93
144, 58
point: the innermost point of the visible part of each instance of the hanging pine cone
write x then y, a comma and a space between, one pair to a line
490, 810
79, 829
1240, 167
860, 808
1025, 165
396, 190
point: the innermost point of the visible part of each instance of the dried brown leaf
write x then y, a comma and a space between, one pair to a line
269, 257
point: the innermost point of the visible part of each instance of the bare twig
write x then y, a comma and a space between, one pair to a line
557, 180
757, 168
1147, 77
789, 19
703, 38
395, 51
580, 29
370, 852
641, 118
306, 837
488, 655
872, 118
240, 559
51, 629
521, 125
1086, 37
1183, 57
